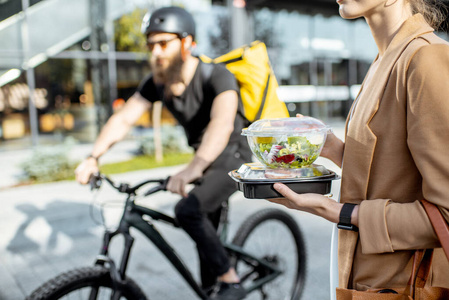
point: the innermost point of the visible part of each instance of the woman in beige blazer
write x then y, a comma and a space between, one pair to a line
396, 150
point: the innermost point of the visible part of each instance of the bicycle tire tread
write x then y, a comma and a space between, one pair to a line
77, 277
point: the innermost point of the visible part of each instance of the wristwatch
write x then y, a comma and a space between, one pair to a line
91, 156
345, 217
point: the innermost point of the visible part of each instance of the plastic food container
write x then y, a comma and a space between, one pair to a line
256, 181
287, 143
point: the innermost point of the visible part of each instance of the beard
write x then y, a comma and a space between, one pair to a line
170, 73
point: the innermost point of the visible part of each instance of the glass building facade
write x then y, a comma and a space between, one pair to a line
66, 65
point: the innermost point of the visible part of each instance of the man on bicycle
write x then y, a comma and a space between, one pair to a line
210, 116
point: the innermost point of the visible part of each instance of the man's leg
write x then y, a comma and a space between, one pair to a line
208, 278
205, 199
201, 230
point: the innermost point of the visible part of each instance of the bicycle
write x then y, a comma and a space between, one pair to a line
260, 268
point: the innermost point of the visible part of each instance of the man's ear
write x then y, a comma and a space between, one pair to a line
188, 42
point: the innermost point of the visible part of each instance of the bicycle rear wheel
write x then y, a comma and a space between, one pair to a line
273, 235
79, 283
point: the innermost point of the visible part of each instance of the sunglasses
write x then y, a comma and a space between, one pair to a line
163, 44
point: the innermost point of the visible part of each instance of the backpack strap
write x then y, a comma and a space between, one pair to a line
264, 98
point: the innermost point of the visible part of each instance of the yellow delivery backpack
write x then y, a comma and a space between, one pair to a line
258, 85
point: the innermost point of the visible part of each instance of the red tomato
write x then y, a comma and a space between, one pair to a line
288, 158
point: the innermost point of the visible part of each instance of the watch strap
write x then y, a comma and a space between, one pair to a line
91, 156
345, 217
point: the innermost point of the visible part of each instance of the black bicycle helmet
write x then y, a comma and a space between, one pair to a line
171, 19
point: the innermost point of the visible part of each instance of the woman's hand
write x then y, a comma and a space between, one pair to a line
312, 203
333, 148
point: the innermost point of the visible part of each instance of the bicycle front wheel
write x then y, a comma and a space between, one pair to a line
86, 283
274, 236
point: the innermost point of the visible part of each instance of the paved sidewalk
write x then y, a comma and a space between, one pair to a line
49, 228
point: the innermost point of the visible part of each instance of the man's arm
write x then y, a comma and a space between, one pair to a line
114, 130
219, 130
215, 139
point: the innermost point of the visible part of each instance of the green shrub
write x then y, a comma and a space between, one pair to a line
49, 163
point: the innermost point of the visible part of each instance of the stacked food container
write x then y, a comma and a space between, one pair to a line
286, 150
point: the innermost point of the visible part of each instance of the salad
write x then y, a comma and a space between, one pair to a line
292, 152
286, 143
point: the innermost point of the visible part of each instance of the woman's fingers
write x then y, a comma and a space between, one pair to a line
287, 193
284, 190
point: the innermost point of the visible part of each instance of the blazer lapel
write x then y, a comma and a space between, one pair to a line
360, 140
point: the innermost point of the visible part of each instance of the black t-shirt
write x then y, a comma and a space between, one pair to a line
192, 109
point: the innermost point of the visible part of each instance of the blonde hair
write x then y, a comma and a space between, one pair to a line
434, 11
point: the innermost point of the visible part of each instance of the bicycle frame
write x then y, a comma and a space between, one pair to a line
134, 216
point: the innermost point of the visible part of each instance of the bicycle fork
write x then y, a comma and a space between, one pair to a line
133, 218
103, 259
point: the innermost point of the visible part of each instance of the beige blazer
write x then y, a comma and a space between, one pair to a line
397, 152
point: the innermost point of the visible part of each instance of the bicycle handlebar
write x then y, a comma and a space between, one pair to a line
96, 180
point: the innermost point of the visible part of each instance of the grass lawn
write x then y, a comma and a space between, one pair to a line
146, 162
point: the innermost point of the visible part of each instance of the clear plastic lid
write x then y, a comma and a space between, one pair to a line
256, 172
285, 126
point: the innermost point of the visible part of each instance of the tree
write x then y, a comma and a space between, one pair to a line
127, 32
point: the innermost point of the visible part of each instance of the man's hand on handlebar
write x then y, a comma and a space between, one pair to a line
177, 183
85, 170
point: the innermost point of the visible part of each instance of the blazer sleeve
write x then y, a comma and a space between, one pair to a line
428, 120
405, 226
